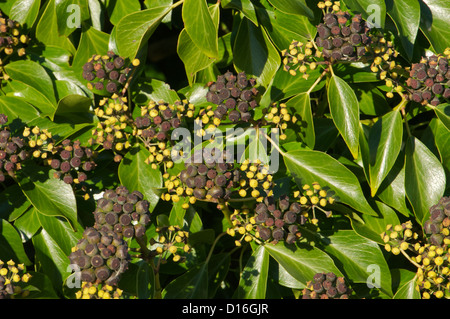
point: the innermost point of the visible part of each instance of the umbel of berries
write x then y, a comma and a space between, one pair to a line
106, 74
437, 227
72, 162
326, 286
343, 37
12, 151
12, 40
123, 212
278, 219
209, 175
101, 256
429, 80
235, 97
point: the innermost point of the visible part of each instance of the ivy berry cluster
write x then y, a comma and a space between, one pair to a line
235, 96
107, 74
12, 38
12, 279
12, 151
326, 286
429, 80
123, 212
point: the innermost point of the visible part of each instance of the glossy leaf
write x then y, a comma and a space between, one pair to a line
301, 263
136, 28
245, 6
344, 109
424, 178
145, 281
385, 141
313, 166
443, 113
253, 281
50, 196
25, 12
117, 9
200, 27
406, 16
135, 174
434, 23
254, 53
358, 255
191, 285
407, 285
301, 104
33, 74
11, 246
298, 7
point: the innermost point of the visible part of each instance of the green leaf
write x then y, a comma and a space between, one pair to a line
298, 7
34, 75
13, 203
443, 113
385, 142
135, 174
52, 260
253, 281
254, 53
373, 226
372, 10
117, 9
313, 166
135, 29
392, 190
245, 6
301, 104
73, 103
371, 101
200, 27
424, 178
434, 23
218, 267
176, 215
344, 109
47, 29
194, 60
406, 16
16, 108
302, 262
25, 12
407, 285
11, 246
31, 95
68, 13
50, 196
61, 231
28, 224
193, 284
145, 281
357, 255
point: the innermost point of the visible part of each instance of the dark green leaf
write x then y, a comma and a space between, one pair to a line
135, 174
301, 105
313, 166
424, 178
253, 281
434, 23
373, 11
11, 246
344, 109
298, 7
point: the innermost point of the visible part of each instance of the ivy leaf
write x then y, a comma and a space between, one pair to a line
344, 109
200, 27
300, 262
301, 104
25, 12
254, 53
298, 7
385, 141
135, 174
372, 10
357, 256
11, 246
434, 23
424, 178
253, 281
313, 166
406, 16
135, 29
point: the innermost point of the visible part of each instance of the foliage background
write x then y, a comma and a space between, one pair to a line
183, 46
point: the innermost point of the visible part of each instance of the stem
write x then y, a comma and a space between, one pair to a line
225, 210
213, 245
274, 144
318, 80
409, 258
